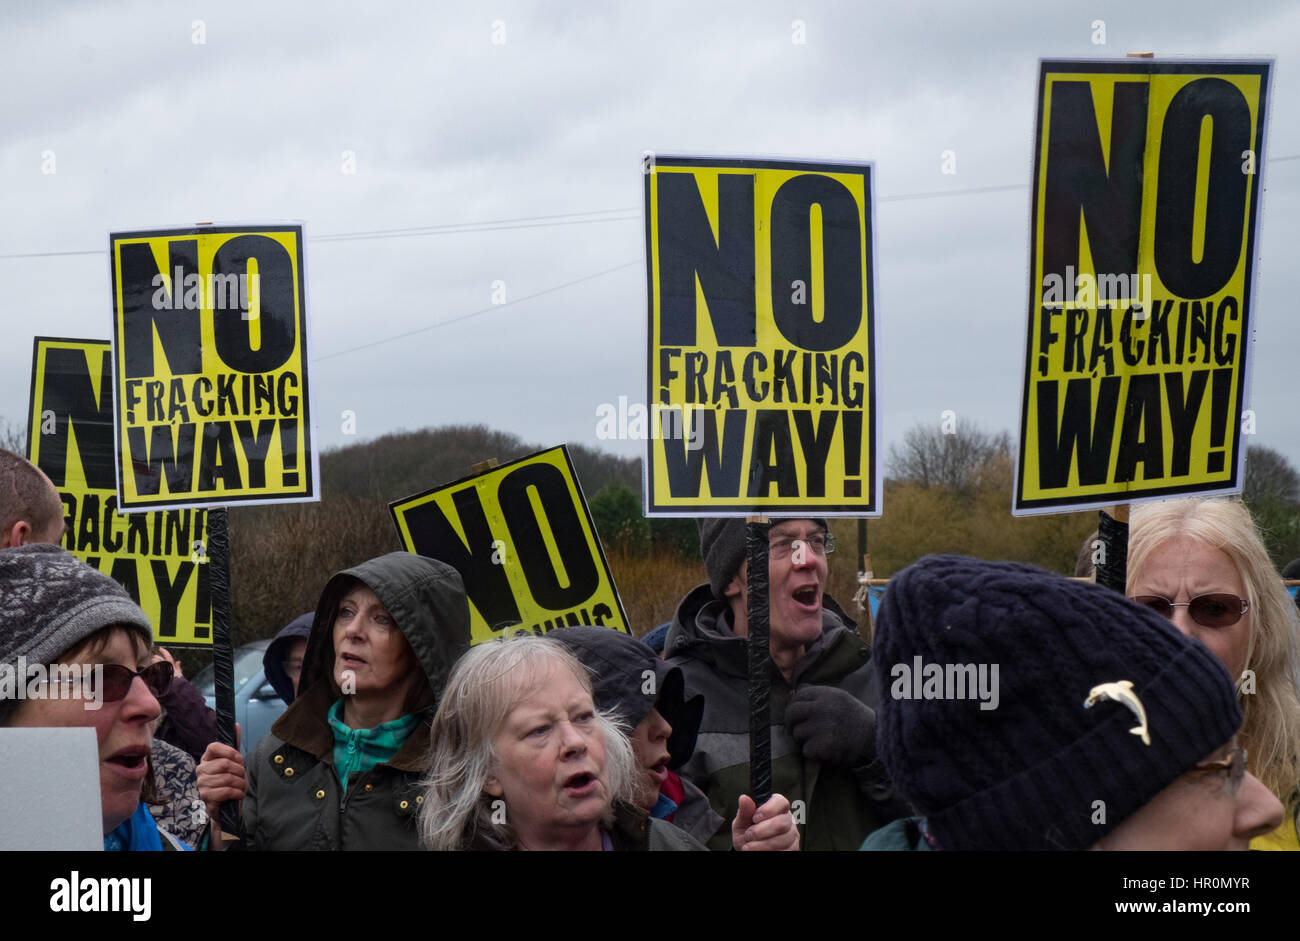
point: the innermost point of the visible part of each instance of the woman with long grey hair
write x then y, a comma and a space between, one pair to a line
522, 759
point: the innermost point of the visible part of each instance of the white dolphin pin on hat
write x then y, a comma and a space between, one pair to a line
1121, 692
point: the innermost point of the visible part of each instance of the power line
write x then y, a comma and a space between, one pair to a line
475, 313
458, 231
966, 192
52, 254
561, 219
458, 226
450, 228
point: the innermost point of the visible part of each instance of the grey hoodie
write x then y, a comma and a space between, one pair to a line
842, 805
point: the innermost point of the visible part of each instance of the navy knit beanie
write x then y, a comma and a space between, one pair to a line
1027, 773
620, 666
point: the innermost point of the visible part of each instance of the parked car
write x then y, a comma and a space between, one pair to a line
257, 704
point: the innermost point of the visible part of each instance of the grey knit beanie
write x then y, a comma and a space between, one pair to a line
50, 601
722, 546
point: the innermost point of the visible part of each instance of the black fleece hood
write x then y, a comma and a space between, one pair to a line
273, 660
425, 597
629, 680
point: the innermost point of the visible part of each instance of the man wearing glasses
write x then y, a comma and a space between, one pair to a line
823, 687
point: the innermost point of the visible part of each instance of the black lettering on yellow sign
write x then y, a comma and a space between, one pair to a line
761, 337
1144, 228
158, 557
211, 367
521, 537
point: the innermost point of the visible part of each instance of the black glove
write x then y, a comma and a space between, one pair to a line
832, 726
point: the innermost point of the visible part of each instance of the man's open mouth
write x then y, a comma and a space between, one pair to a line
806, 596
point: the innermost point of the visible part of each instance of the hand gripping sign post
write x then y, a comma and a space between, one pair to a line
522, 539
211, 400
761, 357
1144, 222
158, 557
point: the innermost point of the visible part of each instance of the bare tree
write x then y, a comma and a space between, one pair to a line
1271, 490
946, 456
1269, 476
13, 437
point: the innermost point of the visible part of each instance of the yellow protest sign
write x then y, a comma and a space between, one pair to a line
210, 367
762, 325
1144, 230
522, 539
160, 557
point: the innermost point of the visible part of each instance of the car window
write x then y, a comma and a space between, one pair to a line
248, 660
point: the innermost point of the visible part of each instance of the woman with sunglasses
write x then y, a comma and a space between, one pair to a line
1201, 564
58, 611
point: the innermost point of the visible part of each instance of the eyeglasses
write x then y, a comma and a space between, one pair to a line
118, 679
1234, 764
1217, 610
819, 543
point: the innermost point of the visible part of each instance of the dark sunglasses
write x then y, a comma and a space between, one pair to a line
118, 679
1217, 610
1234, 764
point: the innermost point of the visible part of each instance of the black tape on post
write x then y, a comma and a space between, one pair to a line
1112, 532
223, 658
760, 659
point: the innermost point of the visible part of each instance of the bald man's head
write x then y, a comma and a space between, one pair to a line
30, 507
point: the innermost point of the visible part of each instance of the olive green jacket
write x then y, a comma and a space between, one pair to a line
294, 799
633, 831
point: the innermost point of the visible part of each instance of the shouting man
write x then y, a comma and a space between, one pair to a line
823, 686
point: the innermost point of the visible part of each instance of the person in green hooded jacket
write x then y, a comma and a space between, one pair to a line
340, 769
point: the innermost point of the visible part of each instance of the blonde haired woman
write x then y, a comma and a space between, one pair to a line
1202, 564
521, 759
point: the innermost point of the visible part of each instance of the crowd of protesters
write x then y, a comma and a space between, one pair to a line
1167, 719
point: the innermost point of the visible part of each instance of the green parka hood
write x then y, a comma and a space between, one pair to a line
425, 597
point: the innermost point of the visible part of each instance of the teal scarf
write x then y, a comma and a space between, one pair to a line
356, 751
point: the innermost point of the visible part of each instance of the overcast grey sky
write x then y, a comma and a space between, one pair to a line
150, 127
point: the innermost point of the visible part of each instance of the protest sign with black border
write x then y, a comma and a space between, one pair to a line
761, 337
210, 367
524, 543
159, 557
1144, 236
